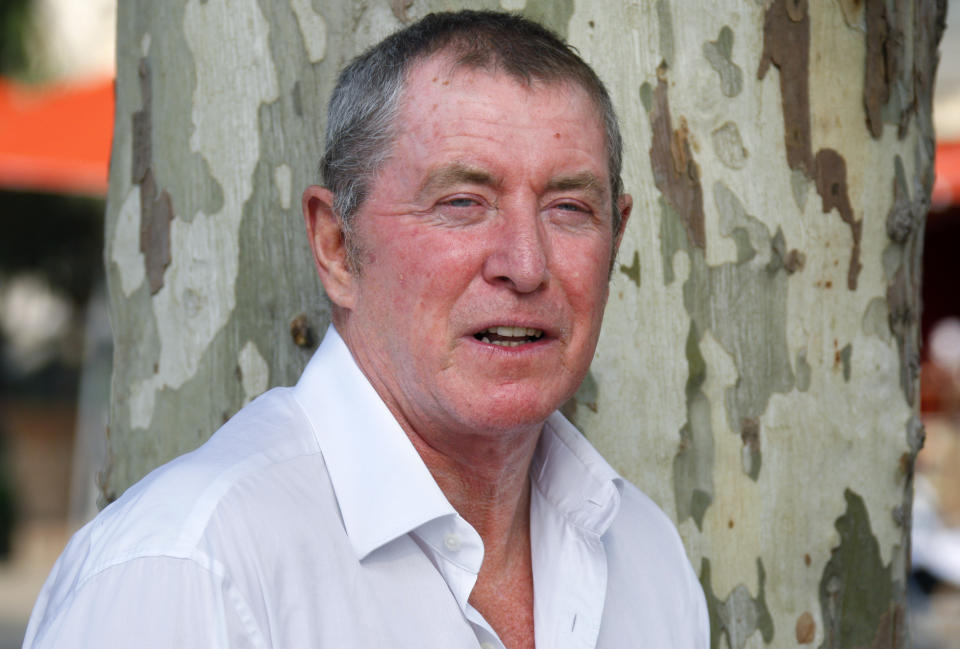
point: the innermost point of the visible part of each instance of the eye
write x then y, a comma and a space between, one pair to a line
461, 201
461, 209
572, 213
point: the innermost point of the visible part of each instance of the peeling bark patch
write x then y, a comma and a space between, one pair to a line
675, 172
399, 9
646, 96
693, 463
786, 44
891, 260
882, 64
903, 319
845, 355
672, 239
665, 31
749, 233
791, 261
856, 589
142, 127
253, 372
554, 14
719, 54
904, 215
916, 434
125, 251
903, 303
713, 602
799, 184
300, 331
803, 371
831, 179
313, 28
728, 146
199, 297
928, 25
743, 305
283, 180
739, 616
806, 628
901, 262
874, 321
750, 458
632, 271
852, 13
296, 96
745, 309
156, 211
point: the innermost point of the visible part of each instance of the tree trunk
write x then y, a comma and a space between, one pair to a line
757, 370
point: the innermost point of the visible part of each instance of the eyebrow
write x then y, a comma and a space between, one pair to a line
458, 172
585, 181
455, 174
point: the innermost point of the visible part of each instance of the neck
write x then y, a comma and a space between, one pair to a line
488, 485
494, 497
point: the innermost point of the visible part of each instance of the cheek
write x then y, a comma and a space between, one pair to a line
422, 280
586, 272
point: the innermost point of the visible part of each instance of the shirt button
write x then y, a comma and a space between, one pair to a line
452, 543
487, 645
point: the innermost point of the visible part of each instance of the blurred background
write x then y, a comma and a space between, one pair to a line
56, 115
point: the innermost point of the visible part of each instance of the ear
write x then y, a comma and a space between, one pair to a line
624, 206
326, 239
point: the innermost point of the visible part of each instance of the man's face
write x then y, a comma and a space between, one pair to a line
484, 247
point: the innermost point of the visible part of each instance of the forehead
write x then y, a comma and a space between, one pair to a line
468, 107
442, 71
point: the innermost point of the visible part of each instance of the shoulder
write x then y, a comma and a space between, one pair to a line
178, 511
642, 521
649, 570
643, 541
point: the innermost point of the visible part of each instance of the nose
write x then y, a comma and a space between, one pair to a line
518, 254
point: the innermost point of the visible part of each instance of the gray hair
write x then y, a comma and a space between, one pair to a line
365, 103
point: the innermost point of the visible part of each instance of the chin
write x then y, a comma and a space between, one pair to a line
501, 416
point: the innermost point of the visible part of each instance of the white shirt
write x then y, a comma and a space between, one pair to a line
309, 520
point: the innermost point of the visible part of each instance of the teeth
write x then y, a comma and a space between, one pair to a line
502, 334
515, 332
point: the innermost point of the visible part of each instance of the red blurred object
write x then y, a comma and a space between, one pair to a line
56, 138
946, 187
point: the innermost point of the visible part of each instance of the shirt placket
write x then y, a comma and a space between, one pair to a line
457, 551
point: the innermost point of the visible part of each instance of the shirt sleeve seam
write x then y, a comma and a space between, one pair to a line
202, 562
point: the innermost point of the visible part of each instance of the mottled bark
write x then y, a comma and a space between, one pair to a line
757, 371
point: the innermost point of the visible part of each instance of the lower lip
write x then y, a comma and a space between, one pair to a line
529, 346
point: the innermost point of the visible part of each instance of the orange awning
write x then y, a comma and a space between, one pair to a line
56, 138
946, 187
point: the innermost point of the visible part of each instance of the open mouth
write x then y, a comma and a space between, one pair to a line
509, 336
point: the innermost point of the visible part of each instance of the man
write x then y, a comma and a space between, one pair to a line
417, 488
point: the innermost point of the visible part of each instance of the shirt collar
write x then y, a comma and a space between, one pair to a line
383, 488
574, 478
